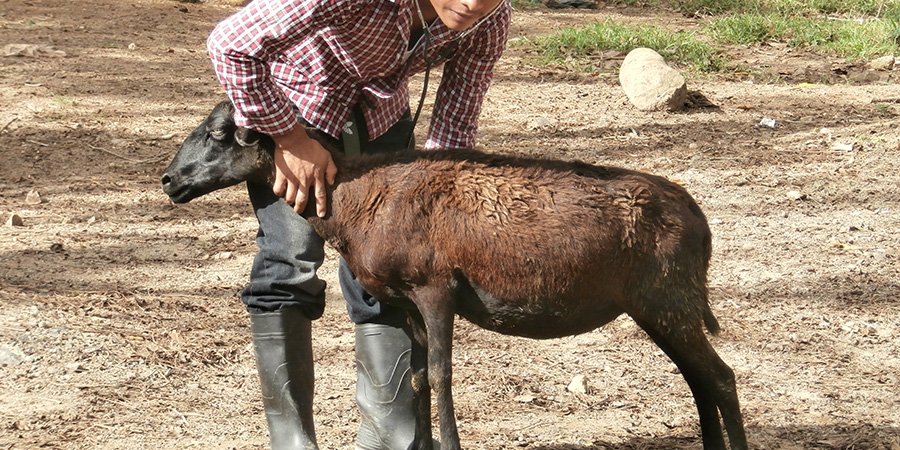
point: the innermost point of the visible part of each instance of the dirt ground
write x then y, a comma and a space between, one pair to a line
121, 328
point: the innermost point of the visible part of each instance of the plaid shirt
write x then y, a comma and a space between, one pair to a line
276, 58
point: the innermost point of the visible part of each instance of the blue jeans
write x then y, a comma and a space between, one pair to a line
290, 252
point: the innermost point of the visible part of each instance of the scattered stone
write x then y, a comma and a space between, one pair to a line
796, 195
842, 146
883, 63
33, 198
649, 83
578, 385
865, 76
10, 356
74, 367
541, 123
32, 51
527, 398
15, 221
767, 122
223, 255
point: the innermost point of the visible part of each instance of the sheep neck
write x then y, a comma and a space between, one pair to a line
356, 192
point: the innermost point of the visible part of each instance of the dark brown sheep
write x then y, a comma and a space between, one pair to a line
527, 247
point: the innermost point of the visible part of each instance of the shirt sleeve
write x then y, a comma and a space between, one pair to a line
241, 46
465, 81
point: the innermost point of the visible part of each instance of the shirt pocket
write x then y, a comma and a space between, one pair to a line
366, 48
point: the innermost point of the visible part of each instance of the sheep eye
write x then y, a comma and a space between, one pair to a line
217, 134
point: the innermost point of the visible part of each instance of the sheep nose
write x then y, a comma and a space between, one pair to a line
166, 179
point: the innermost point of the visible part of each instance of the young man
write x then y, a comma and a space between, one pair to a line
342, 67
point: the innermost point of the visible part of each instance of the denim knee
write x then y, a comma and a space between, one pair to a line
290, 252
361, 306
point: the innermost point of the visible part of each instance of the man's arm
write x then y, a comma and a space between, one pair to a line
240, 48
465, 82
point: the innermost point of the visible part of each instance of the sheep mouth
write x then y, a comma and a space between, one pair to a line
179, 194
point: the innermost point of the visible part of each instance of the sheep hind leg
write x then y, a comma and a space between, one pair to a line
711, 382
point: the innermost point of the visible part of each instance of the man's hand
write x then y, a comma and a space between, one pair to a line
301, 163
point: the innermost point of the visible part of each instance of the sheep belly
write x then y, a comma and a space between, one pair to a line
532, 318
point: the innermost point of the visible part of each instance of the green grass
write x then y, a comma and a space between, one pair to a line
584, 42
884, 109
853, 29
846, 38
526, 4
712, 7
887, 9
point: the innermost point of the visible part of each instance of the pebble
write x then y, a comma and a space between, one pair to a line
15, 221
33, 198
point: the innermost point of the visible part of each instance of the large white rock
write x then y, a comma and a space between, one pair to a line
649, 83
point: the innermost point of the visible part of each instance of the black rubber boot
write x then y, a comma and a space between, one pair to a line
383, 389
283, 344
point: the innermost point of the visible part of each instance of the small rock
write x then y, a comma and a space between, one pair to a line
223, 255
14, 221
527, 398
33, 198
767, 122
649, 83
864, 76
842, 147
10, 356
578, 385
74, 367
31, 51
132, 46
883, 63
796, 195
541, 123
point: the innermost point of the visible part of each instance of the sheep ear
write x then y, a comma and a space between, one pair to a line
246, 137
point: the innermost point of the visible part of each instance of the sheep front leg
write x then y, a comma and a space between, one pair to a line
419, 365
437, 307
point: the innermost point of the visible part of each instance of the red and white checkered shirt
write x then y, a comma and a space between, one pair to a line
322, 57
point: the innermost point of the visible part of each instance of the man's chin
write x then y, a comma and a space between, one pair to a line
458, 22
